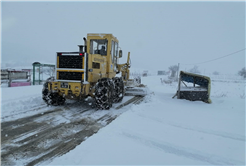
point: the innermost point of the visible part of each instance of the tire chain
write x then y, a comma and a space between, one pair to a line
118, 89
49, 97
104, 93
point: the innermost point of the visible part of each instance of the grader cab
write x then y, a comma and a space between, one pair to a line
89, 72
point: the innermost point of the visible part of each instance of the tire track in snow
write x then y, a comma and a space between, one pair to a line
217, 133
181, 151
35, 139
73, 140
33, 108
19, 136
196, 129
47, 140
134, 100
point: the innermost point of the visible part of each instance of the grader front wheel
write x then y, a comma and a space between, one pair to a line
104, 92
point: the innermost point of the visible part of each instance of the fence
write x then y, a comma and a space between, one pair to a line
16, 77
225, 77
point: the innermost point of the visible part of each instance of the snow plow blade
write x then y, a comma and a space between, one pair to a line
136, 91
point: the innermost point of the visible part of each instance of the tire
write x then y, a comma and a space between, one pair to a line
55, 99
119, 91
104, 92
49, 97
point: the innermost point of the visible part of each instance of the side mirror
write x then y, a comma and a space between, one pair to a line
120, 53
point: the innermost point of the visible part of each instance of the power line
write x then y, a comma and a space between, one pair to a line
216, 58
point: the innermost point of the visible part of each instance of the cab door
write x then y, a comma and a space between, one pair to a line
114, 54
98, 51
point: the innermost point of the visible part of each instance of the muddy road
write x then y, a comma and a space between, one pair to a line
55, 131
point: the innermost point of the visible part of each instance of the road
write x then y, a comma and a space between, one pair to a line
54, 132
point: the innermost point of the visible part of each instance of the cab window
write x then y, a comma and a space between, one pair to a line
98, 46
114, 51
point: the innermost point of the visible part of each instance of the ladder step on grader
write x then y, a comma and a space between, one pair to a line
92, 71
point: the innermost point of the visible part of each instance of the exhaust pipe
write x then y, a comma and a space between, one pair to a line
85, 44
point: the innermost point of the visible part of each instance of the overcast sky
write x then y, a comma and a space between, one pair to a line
158, 34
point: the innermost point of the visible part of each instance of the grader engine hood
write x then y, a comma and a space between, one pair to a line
72, 67
71, 74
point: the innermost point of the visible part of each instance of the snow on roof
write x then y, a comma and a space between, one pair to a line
98, 34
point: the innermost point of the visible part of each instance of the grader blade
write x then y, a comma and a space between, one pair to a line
136, 91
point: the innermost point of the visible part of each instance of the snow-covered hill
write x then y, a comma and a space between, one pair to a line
160, 130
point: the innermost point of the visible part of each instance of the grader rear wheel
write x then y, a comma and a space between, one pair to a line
104, 92
49, 97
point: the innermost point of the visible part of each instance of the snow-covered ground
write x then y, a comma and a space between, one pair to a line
160, 130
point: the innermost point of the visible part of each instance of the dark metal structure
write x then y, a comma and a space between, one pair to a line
198, 89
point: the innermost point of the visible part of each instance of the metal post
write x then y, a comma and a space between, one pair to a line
42, 74
85, 68
39, 76
178, 71
9, 78
178, 96
194, 83
33, 75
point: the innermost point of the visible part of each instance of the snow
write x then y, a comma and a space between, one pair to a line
16, 99
160, 130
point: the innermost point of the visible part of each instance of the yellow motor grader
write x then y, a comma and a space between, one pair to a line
90, 72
